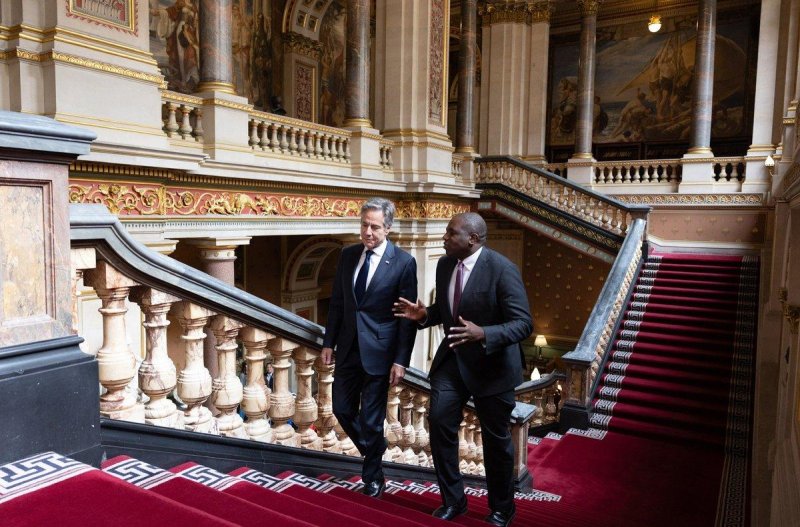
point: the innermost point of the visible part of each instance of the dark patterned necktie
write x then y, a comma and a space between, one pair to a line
457, 291
361, 280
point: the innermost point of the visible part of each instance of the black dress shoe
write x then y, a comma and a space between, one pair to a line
500, 518
451, 511
373, 489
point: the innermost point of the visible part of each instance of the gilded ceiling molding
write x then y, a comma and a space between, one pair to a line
692, 199
589, 7
83, 62
149, 199
308, 47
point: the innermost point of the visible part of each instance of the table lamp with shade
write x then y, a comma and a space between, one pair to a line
540, 342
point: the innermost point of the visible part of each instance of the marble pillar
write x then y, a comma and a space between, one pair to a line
537, 82
703, 88
356, 103
466, 77
216, 47
764, 110
217, 257
586, 70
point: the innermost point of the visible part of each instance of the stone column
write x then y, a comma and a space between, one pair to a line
764, 110
411, 89
698, 161
466, 77
356, 103
537, 82
583, 127
216, 47
217, 257
703, 93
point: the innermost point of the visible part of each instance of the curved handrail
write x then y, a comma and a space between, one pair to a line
585, 360
92, 225
633, 209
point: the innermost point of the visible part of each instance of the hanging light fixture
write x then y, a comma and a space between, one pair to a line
655, 20
654, 24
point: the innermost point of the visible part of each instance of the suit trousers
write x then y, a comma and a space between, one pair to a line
449, 394
353, 387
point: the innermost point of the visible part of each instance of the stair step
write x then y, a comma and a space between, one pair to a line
688, 402
662, 432
669, 328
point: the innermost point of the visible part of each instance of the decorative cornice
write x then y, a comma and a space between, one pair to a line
228, 104
749, 200
295, 42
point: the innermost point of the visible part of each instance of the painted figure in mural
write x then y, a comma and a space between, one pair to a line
261, 76
241, 37
633, 119
600, 117
177, 26
565, 115
332, 66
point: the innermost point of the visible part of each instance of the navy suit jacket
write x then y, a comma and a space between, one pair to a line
383, 339
495, 299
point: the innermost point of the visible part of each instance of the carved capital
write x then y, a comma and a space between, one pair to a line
505, 13
790, 312
589, 7
540, 12
302, 45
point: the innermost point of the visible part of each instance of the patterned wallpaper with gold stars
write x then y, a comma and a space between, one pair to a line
563, 286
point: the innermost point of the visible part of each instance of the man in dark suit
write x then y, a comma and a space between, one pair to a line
481, 301
372, 347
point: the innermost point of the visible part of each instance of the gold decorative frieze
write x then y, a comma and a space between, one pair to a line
692, 199
83, 62
149, 199
295, 42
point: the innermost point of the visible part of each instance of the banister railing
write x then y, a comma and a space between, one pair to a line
182, 115
648, 171
123, 272
286, 135
585, 362
599, 210
545, 395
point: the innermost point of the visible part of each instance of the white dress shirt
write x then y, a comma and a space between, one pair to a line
469, 264
374, 260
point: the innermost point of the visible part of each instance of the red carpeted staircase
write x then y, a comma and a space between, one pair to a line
669, 444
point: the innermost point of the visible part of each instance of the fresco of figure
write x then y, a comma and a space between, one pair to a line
177, 26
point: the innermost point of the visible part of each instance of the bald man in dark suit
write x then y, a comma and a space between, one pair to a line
482, 303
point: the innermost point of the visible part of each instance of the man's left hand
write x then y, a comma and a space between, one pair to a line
467, 332
396, 374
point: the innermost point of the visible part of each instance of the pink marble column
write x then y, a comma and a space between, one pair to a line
466, 77
703, 93
586, 70
216, 47
356, 103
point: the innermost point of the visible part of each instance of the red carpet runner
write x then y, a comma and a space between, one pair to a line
670, 443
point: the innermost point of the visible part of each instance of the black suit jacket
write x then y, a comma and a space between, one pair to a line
383, 339
495, 299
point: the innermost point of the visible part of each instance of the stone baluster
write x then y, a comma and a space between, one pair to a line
81, 259
301, 142
284, 132
274, 144
325, 419
255, 396
227, 386
198, 131
406, 409
326, 152
305, 406
264, 136
194, 381
115, 363
550, 409
293, 148
421, 435
253, 126
348, 448
463, 448
317, 145
394, 431
171, 126
480, 469
186, 127
347, 150
157, 374
339, 149
281, 401
469, 436
536, 400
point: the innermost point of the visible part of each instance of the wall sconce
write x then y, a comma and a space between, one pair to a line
540, 342
769, 162
654, 24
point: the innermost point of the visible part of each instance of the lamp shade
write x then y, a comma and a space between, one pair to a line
540, 341
535, 375
654, 24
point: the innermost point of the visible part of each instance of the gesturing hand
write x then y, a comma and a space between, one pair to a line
467, 332
406, 309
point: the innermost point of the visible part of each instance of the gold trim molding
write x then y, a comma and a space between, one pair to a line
516, 13
749, 200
